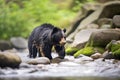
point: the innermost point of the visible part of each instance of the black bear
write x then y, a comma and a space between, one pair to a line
43, 38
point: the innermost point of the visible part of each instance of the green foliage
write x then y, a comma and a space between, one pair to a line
13, 22
85, 51
79, 3
19, 17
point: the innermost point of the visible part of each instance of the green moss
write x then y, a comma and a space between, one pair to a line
85, 51
71, 50
99, 49
115, 47
117, 52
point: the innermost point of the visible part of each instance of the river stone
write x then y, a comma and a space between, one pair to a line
19, 42
102, 37
5, 45
116, 21
96, 56
82, 37
40, 60
9, 60
58, 60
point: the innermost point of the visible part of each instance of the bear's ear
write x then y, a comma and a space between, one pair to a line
55, 29
64, 30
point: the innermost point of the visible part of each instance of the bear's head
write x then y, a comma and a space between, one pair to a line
58, 36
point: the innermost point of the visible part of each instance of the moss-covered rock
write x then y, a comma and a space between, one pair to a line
85, 51
113, 45
102, 37
116, 53
99, 50
114, 48
71, 50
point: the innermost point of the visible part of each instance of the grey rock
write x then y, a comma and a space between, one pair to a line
19, 42
102, 37
105, 23
82, 37
116, 21
9, 60
96, 56
86, 10
108, 10
107, 55
58, 60
40, 60
5, 45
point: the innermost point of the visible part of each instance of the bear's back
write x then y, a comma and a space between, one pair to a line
41, 32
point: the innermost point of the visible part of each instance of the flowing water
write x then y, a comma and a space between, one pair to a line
83, 68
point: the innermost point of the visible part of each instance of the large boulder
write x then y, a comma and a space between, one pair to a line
85, 11
82, 37
19, 42
9, 60
108, 10
5, 45
102, 37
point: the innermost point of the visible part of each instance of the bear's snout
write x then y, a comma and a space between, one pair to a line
62, 41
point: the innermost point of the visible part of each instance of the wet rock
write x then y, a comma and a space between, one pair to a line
102, 37
116, 21
96, 56
58, 60
9, 60
40, 60
107, 55
5, 45
19, 42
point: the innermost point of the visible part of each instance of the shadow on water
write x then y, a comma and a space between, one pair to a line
61, 78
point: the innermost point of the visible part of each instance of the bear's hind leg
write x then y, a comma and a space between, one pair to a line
45, 51
41, 53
